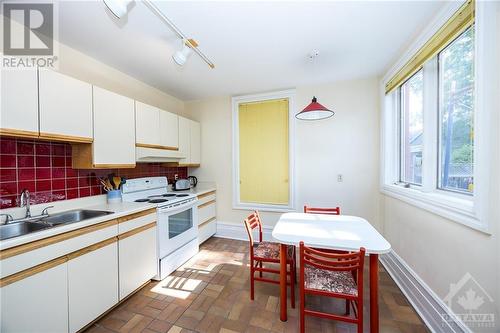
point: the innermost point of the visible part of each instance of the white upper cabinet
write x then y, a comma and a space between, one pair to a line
169, 130
19, 102
184, 138
114, 130
195, 143
155, 128
65, 107
189, 141
147, 125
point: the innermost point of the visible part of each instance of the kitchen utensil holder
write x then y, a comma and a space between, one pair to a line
114, 196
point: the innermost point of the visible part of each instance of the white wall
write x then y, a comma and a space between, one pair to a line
346, 144
441, 251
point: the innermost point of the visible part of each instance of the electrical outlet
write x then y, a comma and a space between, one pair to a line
340, 178
176, 176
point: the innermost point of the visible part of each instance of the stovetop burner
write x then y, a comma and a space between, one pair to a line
157, 200
168, 195
182, 195
142, 200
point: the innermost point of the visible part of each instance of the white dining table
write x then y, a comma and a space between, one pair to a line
335, 232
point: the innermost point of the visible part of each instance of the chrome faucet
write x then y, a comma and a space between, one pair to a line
25, 201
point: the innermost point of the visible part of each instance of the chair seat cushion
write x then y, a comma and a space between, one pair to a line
325, 280
270, 250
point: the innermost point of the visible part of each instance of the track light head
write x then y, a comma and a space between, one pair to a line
117, 7
180, 57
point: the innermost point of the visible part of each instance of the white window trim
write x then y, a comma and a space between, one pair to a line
471, 211
237, 204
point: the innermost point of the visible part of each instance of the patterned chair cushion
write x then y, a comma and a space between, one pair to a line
337, 282
270, 250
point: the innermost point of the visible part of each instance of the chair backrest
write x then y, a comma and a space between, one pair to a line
351, 261
316, 210
251, 222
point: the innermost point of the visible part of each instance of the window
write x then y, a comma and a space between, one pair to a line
456, 114
438, 108
412, 122
262, 154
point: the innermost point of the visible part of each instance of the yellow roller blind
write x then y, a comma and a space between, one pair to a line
457, 24
263, 150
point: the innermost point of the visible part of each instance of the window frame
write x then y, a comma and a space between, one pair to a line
469, 210
401, 119
236, 101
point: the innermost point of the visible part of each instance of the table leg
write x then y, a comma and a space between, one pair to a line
283, 301
374, 293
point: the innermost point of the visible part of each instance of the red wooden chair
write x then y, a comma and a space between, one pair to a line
333, 275
262, 252
329, 211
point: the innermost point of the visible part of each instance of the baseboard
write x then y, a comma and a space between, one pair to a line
238, 231
427, 304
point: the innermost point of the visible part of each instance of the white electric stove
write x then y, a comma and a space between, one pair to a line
177, 229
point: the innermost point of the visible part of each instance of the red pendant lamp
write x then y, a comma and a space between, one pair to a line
314, 111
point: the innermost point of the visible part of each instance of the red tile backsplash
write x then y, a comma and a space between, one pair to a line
44, 168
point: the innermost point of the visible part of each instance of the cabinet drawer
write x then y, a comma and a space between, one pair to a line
207, 230
206, 197
206, 211
130, 222
31, 254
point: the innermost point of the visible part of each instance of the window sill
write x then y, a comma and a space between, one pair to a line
264, 208
456, 209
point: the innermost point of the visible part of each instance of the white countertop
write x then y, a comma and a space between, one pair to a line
201, 188
119, 209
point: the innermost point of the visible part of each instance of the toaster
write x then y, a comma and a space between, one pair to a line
181, 184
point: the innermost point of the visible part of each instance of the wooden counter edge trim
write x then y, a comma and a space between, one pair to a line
206, 204
54, 262
18, 133
146, 145
32, 271
136, 215
136, 230
16, 250
207, 221
66, 138
200, 196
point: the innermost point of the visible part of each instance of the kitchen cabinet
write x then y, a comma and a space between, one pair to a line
65, 107
169, 130
19, 103
195, 143
137, 259
155, 128
114, 133
147, 125
189, 142
207, 220
92, 283
47, 311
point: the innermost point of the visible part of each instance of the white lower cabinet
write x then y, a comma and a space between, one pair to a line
137, 260
22, 312
93, 285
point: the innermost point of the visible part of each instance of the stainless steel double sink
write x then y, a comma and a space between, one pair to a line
23, 227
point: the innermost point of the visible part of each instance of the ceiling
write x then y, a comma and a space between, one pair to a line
256, 46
